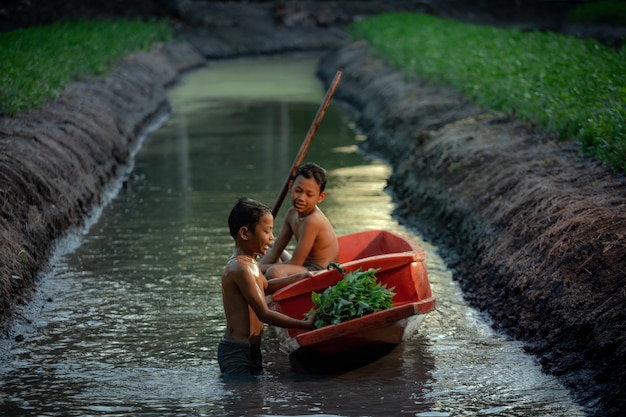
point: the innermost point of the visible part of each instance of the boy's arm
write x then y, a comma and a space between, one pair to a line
276, 284
255, 298
306, 241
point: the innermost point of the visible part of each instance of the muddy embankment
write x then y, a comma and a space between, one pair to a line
56, 162
535, 234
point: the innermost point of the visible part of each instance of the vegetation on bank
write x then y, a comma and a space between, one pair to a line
36, 63
573, 87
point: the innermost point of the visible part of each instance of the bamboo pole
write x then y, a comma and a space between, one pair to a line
307, 141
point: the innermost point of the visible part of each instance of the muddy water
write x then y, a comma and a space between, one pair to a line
127, 322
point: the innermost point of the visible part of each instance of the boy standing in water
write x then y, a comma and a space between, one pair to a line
317, 244
244, 288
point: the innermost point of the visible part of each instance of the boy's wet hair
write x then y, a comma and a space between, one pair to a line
312, 170
247, 212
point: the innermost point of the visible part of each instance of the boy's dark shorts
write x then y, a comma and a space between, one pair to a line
239, 358
312, 266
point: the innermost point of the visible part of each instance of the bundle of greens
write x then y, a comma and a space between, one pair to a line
357, 294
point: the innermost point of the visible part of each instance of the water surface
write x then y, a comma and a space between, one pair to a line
128, 321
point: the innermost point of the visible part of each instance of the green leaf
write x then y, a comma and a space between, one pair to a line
357, 294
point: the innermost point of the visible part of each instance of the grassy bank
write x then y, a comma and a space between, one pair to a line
36, 63
572, 87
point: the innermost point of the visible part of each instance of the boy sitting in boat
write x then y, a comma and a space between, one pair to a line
244, 288
317, 244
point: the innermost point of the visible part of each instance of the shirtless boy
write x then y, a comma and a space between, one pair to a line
317, 244
244, 288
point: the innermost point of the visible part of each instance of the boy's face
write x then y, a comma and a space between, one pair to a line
305, 194
260, 239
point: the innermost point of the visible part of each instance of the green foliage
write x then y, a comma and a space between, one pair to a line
575, 88
612, 12
357, 294
36, 63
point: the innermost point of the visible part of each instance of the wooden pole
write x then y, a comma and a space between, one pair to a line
307, 142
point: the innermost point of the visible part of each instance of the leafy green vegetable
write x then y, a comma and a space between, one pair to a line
357, 294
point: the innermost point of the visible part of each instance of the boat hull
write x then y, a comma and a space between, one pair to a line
400, 264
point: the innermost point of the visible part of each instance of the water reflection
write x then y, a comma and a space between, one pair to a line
128, 323
372, 390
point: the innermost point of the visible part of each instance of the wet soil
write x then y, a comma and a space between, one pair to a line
55, 162
534, 231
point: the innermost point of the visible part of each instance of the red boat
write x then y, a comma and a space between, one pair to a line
400, 264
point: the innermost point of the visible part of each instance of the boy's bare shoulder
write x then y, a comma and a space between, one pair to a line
291, 212
318, 217
233, 264
233, 269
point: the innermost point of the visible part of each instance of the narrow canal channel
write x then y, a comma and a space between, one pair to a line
128, 320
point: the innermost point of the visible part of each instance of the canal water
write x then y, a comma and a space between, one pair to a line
128, 320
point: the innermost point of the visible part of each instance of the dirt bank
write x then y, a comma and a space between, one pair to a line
56, 161
535, 233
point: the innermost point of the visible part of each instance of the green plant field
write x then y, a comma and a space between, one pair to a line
572, 87
36, 63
